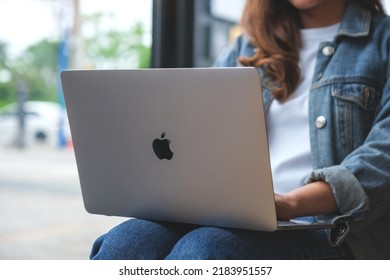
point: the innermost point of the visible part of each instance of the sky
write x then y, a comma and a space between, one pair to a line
25, 22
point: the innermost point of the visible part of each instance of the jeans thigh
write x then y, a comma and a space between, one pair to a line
222, 243
138, 240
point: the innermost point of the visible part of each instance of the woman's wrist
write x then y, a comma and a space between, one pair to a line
286, 206
313, 199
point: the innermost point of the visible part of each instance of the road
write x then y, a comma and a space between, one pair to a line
41, 210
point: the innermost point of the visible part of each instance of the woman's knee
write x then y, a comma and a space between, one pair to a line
205, 243
136, 239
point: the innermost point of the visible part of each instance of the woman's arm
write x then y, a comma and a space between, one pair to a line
310, 200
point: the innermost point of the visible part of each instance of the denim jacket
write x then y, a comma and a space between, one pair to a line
349, 118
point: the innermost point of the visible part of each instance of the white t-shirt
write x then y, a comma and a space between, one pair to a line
288, 121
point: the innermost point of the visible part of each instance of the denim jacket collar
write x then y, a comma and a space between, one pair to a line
356, 21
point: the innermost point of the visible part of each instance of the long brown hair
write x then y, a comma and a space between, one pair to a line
273, 27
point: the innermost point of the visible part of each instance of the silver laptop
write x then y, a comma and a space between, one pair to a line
177, 145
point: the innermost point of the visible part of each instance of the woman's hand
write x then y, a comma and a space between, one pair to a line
313, 199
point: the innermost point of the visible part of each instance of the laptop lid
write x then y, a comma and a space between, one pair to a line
179, 145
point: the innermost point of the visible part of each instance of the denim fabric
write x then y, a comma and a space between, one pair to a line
147, 240
351, 152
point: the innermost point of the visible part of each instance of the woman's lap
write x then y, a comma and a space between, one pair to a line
138, 239
142, 239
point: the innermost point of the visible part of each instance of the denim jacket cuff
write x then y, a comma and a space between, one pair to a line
347, 190
350, 197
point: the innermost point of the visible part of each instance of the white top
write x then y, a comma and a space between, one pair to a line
288, 121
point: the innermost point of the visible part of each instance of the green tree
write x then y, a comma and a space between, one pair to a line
115, 48
143, 51
3, 55
7, 88
38, 67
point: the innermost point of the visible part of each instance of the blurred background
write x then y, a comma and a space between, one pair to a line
41, 208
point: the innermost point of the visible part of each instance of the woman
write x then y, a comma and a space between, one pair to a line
325, 66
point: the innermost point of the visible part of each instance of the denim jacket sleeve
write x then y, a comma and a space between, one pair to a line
362, 180
350, 198
364, 175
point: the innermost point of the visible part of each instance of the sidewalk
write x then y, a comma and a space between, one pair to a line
41, 209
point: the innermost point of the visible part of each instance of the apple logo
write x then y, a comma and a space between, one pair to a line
161, 148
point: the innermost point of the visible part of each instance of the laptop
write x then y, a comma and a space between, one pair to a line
177, 145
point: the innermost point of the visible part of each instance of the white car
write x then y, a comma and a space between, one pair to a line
43, 123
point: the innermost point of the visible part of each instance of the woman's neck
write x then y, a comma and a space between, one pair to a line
326, 14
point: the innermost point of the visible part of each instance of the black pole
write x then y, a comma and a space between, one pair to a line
20, 141
173, 33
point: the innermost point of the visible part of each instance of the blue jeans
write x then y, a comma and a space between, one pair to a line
146, 240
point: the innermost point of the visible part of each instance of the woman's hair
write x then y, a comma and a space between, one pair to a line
273, 27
